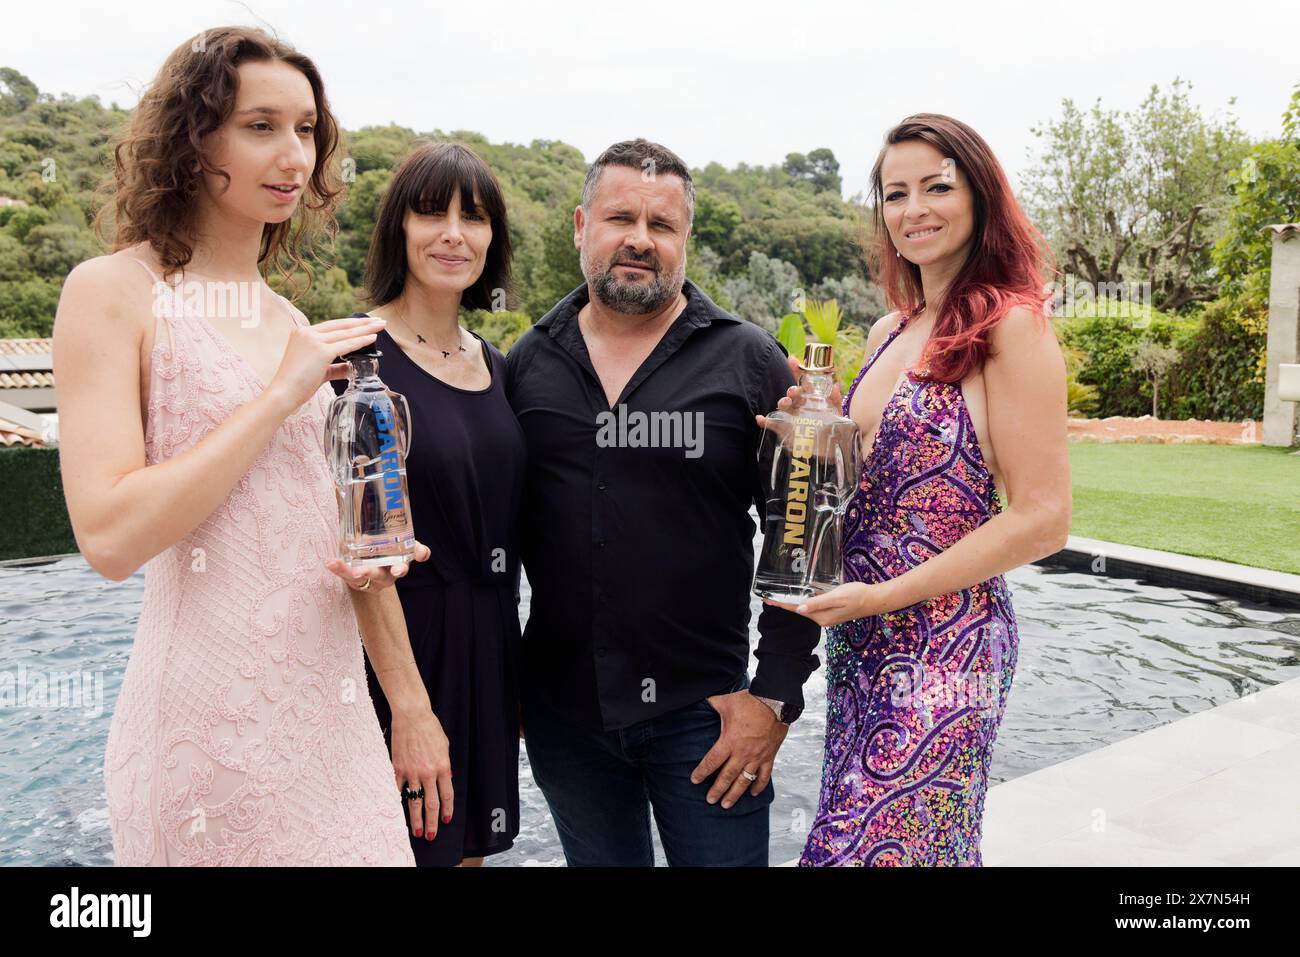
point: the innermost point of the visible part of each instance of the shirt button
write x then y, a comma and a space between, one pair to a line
600, 652
601, 486
600, 544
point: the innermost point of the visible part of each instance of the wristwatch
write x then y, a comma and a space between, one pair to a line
785, 712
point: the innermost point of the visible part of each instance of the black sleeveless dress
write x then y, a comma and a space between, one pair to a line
465, 473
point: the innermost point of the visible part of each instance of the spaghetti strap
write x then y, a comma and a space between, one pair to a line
145, 266
171, 340
871, 360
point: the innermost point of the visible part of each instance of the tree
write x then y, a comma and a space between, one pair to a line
1266, 190
861, 302
820, 167
17, 92
765, 292
1154, 361
1137, 197
716, 219
558, 271
357, 217
330, 295
54, 249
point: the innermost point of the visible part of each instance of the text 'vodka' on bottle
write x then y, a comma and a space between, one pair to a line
808, 464
367, 435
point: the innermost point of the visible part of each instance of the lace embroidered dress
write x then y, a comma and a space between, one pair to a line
914, 697
244, 732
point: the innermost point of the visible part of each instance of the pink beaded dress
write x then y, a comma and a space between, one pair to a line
244, 732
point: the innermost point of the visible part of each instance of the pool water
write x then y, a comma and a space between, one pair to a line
1100, 659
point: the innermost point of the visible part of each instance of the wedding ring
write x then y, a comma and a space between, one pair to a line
365, 586
749, 777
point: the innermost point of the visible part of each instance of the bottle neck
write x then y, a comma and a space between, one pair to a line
817, 386
363, 371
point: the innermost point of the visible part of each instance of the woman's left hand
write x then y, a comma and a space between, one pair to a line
842, 603
379, 576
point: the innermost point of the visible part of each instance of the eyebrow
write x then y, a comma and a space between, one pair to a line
270, 111
627, 211
924, 180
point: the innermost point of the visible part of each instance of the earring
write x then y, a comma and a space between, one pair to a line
898, 254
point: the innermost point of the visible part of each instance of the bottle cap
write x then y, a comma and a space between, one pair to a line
817, 357
365, 352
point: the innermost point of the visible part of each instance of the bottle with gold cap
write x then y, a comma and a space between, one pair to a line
808, 464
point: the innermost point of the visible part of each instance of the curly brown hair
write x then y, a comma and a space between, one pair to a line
155, 180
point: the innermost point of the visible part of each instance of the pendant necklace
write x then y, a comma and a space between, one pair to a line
446, 353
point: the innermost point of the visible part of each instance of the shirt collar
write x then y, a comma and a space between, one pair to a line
700, 310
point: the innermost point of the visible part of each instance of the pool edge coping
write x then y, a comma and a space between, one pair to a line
1262, 585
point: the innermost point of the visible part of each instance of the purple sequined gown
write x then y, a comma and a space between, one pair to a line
914, 696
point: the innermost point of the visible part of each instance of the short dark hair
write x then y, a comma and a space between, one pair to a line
636, 154
424, 183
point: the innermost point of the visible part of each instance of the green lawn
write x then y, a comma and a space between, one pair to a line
1236, 503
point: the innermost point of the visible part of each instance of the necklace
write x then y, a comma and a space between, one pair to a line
446, 353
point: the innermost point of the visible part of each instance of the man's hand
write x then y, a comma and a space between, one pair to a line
750, 738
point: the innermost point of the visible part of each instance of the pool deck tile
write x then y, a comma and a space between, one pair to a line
1215, 788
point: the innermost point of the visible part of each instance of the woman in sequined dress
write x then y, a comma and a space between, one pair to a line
962, 397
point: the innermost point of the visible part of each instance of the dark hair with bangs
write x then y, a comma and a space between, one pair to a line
424, 183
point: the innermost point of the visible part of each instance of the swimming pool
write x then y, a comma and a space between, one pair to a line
1100, 659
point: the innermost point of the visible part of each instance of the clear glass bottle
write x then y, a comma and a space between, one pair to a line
808, 464
367, 436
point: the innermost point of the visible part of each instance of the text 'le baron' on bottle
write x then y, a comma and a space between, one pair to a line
808, 466
367, 436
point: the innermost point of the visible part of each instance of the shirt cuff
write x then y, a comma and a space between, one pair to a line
782, 677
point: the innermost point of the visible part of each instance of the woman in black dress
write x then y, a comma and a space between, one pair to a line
441, 243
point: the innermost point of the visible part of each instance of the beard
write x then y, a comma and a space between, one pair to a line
636, 296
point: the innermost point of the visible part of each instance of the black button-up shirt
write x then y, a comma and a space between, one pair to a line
636, 534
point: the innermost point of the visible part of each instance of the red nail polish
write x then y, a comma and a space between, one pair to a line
417, 832
446, 818
429, 836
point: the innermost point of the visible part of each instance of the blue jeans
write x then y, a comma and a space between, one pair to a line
601, 785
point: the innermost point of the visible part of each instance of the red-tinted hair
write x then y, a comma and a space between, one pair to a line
1009, 262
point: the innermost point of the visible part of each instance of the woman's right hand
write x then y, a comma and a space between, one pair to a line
308, 361
421, 759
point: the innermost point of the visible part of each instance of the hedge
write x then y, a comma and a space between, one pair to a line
33, 516
1217, 376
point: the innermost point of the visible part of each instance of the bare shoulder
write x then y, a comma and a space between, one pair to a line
1023, 335
881, 328
107, 288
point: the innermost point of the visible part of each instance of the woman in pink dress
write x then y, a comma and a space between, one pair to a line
192, 404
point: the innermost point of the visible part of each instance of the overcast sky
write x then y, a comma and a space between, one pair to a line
729, 82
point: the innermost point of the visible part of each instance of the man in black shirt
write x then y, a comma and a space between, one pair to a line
637, 396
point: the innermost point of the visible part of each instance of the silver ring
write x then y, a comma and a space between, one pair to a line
751, 778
